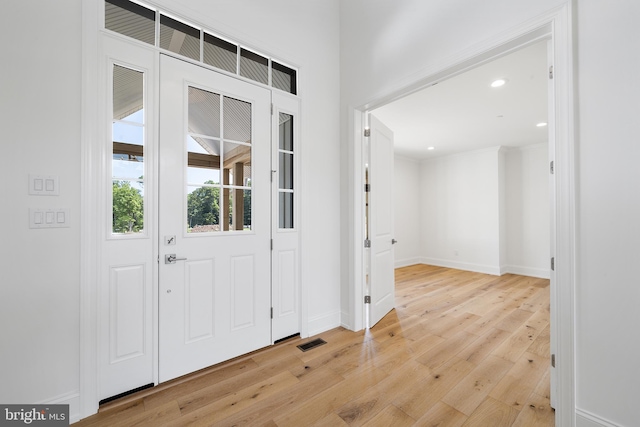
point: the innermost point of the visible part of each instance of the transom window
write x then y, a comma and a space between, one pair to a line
139, 22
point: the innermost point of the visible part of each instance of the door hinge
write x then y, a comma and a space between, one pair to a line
551, 72
367, 299
367, 188
553, 263
272, 108
271, 244
272, 312
367, 243
553, 360
551, 167
367, 132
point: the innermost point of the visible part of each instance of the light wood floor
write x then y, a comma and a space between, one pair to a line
460, 349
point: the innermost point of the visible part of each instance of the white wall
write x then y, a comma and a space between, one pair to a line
407, 220
459, 211
446, 207
608, 288
527, 211
40, 111
40, 123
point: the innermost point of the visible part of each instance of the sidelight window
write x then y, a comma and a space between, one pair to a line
127, 160
286, 171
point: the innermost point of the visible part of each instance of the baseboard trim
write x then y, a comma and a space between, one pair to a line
324, 322
72, 399
526, 271
399, 263
587, 419
467, 266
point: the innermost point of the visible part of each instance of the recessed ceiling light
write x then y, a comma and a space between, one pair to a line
498, 82
541, 124
431, 148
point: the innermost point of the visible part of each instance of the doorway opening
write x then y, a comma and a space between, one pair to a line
552, 28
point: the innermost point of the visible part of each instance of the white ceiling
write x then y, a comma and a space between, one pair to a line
465, 113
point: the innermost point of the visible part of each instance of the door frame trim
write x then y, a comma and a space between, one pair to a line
558, 24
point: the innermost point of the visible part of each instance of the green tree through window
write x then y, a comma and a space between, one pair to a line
128, 208
203, 206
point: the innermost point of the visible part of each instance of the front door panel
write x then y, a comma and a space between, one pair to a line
214, 216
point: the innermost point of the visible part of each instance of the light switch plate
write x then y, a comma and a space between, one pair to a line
43, 185
49, 218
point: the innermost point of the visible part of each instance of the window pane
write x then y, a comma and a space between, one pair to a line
179, 38
237, 120
238, 214
283, 78
285, 208
128, 207
254, 66
127, 160
125, 166
286, 171
128, 92
203, 209
203, 176
202, 145
220, 53
286, 132
128, 134
204, 112
203, 161
237, 164
130, 19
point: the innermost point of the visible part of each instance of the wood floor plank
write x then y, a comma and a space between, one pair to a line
479, 349
469, 393
391, 416
312, 382
460, 349
516, 387
446, 350
197, 383
369, 402
218, 391
514, 346
442, 415
536, 412
492, 413
240, 400
434, 388
327, 401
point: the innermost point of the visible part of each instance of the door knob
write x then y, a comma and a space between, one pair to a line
172, 258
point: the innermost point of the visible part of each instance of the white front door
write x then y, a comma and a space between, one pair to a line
214, 218
381, 275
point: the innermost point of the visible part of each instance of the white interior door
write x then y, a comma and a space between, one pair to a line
214, 218
381, 275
